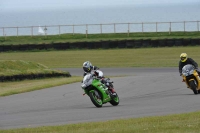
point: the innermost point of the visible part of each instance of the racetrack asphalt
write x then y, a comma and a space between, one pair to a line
142, 92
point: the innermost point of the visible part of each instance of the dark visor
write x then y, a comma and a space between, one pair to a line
183, 58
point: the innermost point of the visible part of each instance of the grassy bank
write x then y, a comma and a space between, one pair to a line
16, 87
20, 67
182, 123
93, 37
15, 70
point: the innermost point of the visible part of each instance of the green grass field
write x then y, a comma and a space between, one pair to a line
145, 57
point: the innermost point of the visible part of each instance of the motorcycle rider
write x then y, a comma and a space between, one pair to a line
184, 60
88, 67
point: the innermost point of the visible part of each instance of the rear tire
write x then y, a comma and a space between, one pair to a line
96, 98
193, 87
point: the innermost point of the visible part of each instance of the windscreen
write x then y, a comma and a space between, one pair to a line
187, 69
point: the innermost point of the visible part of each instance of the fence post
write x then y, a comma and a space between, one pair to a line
86, 26
3, 31
59, 29
128, 29
170, 24
198, 26
73, 29
156, 27
31, 31
101, 28
17, 31
142, 28
184, 26
114, 27
86, 33
45, 30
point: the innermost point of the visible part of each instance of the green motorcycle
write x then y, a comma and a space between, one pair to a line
99, 92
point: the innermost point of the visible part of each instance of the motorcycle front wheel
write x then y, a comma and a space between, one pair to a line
193, 86
96, 98
115, 100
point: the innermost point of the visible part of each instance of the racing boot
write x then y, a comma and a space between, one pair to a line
113, 93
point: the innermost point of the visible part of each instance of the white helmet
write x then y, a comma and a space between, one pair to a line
87, 66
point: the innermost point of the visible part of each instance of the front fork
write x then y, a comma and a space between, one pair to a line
197, 77
184, 80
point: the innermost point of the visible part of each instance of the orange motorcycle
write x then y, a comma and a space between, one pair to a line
191, 78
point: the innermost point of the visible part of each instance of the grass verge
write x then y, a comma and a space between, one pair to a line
178, 123
10, 88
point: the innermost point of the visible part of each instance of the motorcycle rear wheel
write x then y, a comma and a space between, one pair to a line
193, 87
96, 98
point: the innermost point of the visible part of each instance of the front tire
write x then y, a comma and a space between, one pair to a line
115, 100
96, 98
193, 87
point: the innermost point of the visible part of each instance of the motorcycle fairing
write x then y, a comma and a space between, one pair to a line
89, 83
189, 74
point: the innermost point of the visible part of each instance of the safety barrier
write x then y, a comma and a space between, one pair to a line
33, 76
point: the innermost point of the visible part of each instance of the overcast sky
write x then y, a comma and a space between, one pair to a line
13, 5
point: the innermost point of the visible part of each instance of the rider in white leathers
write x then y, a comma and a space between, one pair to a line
88, 68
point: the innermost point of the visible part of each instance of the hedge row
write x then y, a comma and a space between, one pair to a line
103, 44
32, 76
